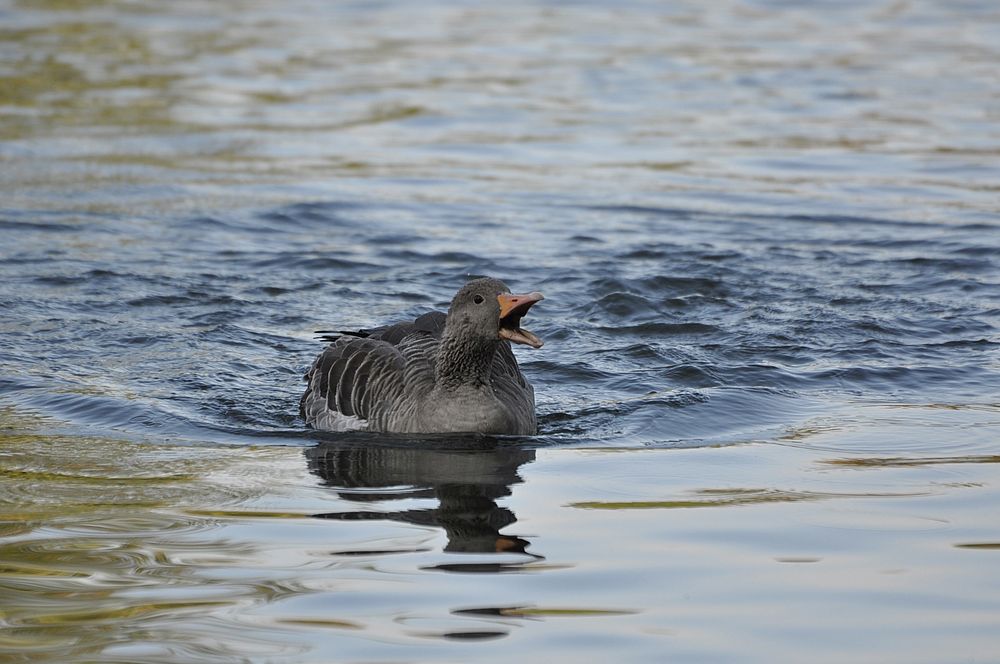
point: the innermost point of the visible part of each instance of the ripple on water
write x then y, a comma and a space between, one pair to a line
765, 345
917, 434
102, 550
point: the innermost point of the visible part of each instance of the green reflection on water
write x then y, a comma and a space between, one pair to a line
65, 5
885, 462
321, 622
248, 514
82, 74
98, 549
730, 497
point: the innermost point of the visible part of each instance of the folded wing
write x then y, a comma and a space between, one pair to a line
364, 377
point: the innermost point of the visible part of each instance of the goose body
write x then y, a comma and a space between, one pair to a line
440, 373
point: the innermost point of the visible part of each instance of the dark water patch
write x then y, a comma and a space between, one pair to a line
640, 353
211, 320
850, 301
903, 379
412, 297
677, 302
540, 611
163, 300
200, 298
210, 224
394, 239
890, 243
979, 344
275, 291
697, 376
313, 214
876, 328
608, 286
447, 257
108, 274
654, 330
35, 226
934, 284
719, 256
670, 213
777, 376
674, 285
242, 335
471, 636
979, 546
141, 340
97, 281
986, 251
565, 372
58, 280
659, 287
990, 227
621, 305
291, 261
849, 220
644, 254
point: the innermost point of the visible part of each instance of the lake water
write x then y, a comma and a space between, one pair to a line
768, 234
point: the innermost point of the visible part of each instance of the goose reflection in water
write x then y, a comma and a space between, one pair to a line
466, 476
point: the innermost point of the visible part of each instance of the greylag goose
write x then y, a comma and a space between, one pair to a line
440, 373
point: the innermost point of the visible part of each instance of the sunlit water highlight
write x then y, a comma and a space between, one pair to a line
769, 396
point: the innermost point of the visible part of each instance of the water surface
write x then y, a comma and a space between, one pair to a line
769, 397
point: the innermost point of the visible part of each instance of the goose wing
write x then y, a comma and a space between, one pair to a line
366, 379
350, 383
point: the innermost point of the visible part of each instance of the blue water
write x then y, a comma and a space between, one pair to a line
663, 326
768, 235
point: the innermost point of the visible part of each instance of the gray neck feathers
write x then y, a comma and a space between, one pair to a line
464, 357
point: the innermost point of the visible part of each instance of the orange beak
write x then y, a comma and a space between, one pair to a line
509, 303
512, 309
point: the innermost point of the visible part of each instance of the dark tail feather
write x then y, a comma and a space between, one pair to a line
332, 335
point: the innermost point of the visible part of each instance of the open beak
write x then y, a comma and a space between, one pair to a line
512, 309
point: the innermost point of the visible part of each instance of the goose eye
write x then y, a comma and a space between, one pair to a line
479, 299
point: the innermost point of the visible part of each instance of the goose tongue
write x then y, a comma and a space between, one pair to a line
512, 309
